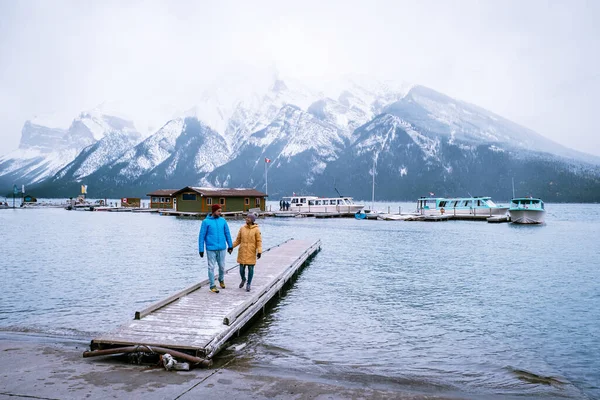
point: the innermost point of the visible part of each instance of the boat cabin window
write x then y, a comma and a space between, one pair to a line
302, 200
318, 202
294, 201
311, 202
332, 202
443, 203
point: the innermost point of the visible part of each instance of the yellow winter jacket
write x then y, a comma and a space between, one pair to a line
250, 242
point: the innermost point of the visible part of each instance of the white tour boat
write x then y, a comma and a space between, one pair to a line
322, 204
527, 210
483, 206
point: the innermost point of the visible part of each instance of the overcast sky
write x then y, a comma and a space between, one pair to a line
534, 62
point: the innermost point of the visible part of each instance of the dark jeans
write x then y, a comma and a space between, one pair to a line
250, 272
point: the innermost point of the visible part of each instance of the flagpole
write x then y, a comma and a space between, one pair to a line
266, 179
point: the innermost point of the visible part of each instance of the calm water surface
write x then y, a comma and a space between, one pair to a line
457, 307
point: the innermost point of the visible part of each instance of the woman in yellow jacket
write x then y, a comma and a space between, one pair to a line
250, 242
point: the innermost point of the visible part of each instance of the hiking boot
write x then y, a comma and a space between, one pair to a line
247, 287
222, 284
243, 283
214, 289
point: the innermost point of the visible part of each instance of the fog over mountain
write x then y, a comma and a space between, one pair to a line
530, 62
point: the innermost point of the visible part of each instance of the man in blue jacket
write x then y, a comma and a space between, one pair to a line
214, 232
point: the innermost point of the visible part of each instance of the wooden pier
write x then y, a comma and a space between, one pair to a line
224, 214
198, 322
333, 215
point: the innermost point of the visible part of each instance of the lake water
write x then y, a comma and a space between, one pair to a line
455, 307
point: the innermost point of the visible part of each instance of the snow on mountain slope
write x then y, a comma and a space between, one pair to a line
296, 131
346, 118
43, 151
237, 113
377, 136
198, 150
40, 137
255, 113
101, 153
151, 152
33, 165
434, 113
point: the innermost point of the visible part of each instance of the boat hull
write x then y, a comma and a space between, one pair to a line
328, 209
395, 217
527, 216
481, 211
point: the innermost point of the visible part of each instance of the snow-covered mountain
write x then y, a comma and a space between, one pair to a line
436, 114
182, 152
295, 141
43, 151
97, 155
421, 141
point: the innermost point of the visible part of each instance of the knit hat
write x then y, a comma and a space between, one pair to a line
251, 216
215, 207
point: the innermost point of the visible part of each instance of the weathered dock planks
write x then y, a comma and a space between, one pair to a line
200, 322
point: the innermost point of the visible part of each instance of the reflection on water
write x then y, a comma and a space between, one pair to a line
485, 309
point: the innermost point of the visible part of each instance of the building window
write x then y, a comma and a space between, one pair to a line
208, 201
257, 202
154, 200
222, 201
168, 200
162, 199
189, 196
247, 201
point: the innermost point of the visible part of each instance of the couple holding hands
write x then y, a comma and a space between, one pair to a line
215, 236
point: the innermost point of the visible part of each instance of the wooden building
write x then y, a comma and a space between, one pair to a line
199, 199
162, 198
131, 202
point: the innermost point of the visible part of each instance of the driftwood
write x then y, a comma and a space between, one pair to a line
152, 349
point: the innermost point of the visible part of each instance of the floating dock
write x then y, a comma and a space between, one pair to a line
224, 214
499, 219
198, 322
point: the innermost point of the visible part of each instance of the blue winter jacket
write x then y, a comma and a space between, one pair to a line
215, 233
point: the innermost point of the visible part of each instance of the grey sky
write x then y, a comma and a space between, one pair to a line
534, 62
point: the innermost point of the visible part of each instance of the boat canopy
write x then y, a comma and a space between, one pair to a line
527, 201
459, 202
318, 201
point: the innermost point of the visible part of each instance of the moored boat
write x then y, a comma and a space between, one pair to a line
314, 204
367, 214
474, 206
396, 217
527, 210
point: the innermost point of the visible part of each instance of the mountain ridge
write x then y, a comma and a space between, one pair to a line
421, 140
